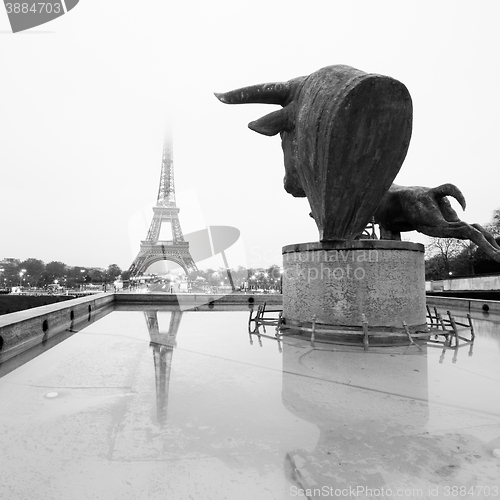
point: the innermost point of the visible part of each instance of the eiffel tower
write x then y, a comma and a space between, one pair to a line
165, 212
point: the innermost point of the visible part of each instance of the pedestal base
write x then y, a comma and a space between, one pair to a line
335, 283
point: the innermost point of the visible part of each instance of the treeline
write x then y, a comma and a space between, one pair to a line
449, 257
254, 278
35, 273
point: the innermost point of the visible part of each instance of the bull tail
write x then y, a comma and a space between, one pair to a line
449, 190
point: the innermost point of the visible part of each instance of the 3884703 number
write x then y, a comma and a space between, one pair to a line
34, 8
461, 491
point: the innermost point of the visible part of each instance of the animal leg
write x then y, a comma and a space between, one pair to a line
489, 237
462, 231
447, 210
427, 211
387, 234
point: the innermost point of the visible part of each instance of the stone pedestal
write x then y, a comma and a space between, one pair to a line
335, 283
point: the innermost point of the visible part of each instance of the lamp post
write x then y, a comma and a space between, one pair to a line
253, 279
21, 273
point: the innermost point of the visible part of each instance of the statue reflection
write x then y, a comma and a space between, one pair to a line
371, 410
385, 420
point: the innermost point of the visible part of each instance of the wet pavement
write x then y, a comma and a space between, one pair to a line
170, 405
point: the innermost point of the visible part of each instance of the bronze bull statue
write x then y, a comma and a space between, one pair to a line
344, 134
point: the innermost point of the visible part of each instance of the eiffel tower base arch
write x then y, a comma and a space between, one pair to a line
155, 252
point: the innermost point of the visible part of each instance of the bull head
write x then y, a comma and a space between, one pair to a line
281, 121
344, 133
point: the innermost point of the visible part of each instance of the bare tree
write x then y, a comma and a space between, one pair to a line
445, 249
494, 226
468, 248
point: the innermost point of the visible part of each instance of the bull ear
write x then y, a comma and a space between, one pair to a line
271, 124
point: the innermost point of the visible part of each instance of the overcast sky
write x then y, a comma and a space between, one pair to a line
85, 100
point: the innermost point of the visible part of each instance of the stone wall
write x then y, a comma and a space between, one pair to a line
22, 330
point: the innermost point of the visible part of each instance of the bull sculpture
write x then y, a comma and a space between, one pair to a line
344, 134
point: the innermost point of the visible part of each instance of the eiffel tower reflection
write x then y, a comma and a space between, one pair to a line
163, 344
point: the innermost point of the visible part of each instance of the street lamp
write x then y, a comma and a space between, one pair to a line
266, 281
21, 276
253, 278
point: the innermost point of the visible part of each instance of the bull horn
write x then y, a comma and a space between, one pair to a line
266, 93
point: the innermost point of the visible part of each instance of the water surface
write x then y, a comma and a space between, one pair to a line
162, 404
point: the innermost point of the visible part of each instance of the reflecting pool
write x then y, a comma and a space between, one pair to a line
163, 404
